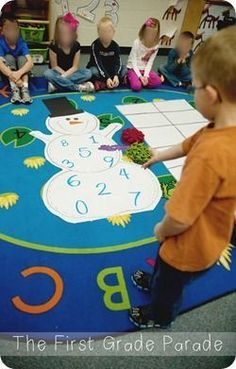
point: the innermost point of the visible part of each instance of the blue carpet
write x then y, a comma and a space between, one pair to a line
56, 276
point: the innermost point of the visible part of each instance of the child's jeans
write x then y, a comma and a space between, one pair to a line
97, 76
69, 83
177, 77
136, 84
167, 290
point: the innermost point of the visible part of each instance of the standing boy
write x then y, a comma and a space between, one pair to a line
200, 215
105, 61
15, 60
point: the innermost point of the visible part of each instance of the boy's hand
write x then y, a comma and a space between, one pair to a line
15, 76
154, 159
116, 81
144, 80
109, 83
158, 233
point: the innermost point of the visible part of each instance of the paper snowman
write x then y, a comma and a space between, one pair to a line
93, 184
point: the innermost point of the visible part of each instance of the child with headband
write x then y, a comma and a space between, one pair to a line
64, 56
142, 56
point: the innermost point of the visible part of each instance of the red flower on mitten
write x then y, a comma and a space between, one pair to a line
132, 135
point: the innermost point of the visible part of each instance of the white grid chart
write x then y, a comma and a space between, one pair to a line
165, 123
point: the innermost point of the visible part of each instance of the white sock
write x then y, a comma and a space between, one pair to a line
26, 84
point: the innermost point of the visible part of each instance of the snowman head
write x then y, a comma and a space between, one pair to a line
75, 124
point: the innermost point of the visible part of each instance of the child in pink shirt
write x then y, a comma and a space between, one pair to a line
142, 56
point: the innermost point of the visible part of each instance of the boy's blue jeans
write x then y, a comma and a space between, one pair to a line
68, 83
167, 290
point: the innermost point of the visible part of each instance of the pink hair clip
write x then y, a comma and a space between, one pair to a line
150, 23
71, 20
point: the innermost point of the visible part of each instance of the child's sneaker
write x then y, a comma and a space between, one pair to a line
51, 88
85, 87
140, 317
100, 85
142, 280
25, 96
15, 98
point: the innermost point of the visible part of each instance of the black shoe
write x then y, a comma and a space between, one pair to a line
140, 317
142, 280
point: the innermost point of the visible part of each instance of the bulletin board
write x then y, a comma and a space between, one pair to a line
127, 15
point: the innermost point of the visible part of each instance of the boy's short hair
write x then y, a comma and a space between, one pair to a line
8, 17
105, 20
188, 34
215, 62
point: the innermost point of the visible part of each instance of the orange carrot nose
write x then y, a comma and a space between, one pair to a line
74, 122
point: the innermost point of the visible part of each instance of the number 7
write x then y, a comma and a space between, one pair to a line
137, 194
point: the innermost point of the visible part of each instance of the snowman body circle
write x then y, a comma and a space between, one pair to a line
93, 184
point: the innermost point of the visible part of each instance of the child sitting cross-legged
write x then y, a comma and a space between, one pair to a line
105, 61
15, 60
64, 55
199, 218
177, 71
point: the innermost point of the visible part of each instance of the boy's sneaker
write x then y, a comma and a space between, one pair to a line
25, 96
140, 317
142, 280
16, 98
85, 87
51, 88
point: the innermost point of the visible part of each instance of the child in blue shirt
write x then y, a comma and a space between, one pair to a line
15, 60
177, 71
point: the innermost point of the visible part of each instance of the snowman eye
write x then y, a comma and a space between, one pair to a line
76, 118
67, 119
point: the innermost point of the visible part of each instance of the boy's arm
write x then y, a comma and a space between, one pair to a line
197, 186
27, 67
4, 68
174, 152
99, 63
53, 62
118, 62
171, 63
75, 67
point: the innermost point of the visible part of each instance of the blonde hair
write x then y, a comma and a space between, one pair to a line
156, 25
215, 62
105, 20
59, 22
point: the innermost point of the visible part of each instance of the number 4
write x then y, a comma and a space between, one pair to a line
124, 173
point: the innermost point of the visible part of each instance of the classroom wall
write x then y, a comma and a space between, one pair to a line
128, 15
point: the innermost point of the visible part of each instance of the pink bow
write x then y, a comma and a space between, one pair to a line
71, 20
150, 23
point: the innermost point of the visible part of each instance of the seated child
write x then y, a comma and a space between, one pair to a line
15, 60
199, 216
142, 56
64, 56
105, 61
177, 71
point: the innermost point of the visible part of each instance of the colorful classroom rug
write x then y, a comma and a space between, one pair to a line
57, 273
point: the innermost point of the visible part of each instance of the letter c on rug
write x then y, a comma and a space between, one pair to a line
52, 302
110, 290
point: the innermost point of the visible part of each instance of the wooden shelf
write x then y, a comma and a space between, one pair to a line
33, 21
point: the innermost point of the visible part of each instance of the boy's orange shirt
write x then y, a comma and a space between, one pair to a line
204, 199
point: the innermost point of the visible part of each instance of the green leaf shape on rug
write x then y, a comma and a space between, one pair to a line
133, 100
19, 136
168, 184
73, 103
108, 118
139, 153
